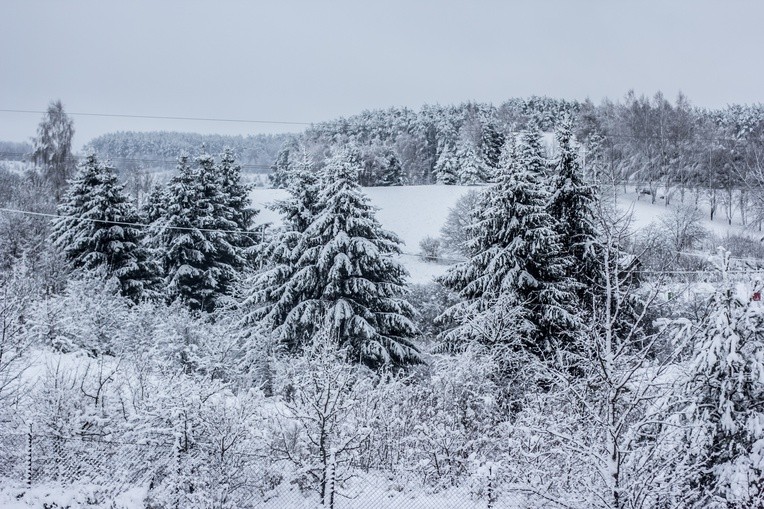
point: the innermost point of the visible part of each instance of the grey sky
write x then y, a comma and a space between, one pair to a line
312, 61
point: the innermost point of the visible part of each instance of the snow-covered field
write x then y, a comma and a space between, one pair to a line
416, 212
412, 212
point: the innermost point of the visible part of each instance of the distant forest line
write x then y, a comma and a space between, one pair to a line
652, 141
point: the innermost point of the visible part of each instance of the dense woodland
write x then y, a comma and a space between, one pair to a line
157, 150
568, 361
665, 146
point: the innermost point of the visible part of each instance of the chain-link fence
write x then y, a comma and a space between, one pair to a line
46, 470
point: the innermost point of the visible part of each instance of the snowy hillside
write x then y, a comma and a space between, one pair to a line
416, 212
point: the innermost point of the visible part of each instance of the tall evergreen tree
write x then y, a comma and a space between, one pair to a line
572, 204
195, 236
301, 207
97, 228
518, 261
236, 202
446, 167
345, 282
298, 212
392, 173
471, 169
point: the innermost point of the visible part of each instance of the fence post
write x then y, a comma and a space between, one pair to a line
29, 457
491, 494
177, 472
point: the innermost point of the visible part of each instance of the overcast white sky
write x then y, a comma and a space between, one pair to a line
312, 60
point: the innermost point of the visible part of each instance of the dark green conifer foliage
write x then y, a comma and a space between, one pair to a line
392, 174
518, 261
344, 282
99, 228
200, 233
572, 204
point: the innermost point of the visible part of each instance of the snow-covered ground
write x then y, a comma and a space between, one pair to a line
646, 213
416, 212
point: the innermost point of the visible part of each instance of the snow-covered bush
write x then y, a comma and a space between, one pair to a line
719, 420
89, 315
323, 419
454, 234
430, 249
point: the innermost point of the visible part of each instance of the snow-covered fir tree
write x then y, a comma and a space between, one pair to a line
720, 419
392, 173
345, 281
491, 144
236, 202
97, 228
201, 261
154, 207
281, 168
297, 211
572, 199
301, 207
446, 167
471, 169
519, 263
572, 205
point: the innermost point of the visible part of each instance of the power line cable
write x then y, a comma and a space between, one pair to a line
327, 123
134, 160
123, 223
165, 117
403, 253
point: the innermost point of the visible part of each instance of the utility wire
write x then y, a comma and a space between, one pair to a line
130, 159
163, 117
403, 253
330, 122
123, 223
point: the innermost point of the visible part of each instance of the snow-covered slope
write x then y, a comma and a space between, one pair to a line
412, 212
646, 213
416, 212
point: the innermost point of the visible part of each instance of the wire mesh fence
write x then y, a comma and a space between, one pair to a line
47, 470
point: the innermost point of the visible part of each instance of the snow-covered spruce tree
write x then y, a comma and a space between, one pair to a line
392, 173
298, 212
195, 236
573, 204
154, 207
280, 260
345, 282
97, 229
519, 263
301, 207
446, 167
721, 417
471, 169
236, 202
283, 166
491, 143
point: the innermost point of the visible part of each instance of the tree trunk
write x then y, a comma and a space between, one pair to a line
743, 205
